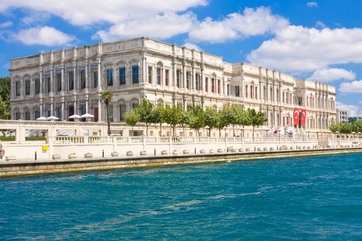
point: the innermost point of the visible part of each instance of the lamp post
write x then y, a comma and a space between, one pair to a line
225, 128
353, 134
242, 131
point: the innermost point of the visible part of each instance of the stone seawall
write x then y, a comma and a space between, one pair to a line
59, 166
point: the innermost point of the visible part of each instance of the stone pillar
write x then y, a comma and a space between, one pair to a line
51, 107
203, 78
41, 80
51, 79
242, 88
86, 76
75, 76
184, 75
63, 81
99, 111
144, 70
40, 108
63, 111
75, 107
99, 72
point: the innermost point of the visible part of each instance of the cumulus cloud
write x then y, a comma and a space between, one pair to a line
6, 66
352, 109
298, 48
159, 26
351, 87
312, 4
6, 24
251, 22
48, 36
192, 46
332, 74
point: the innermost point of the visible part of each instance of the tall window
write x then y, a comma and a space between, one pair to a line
218, 87
149, 74
271, 94
122, 111
18, 88
158, 73
122, 76
135, 105
27, 87
206, 85
135, 74
37, 86
59, 81
71, 80
95, 79
237, 91
178, 77
27, 115
197, 85
246, 91
212, 86
187, 80
228, 89
166, 77
17, 116
37, 114
256, 92
48, 81
251, 91
82, 79
109, 77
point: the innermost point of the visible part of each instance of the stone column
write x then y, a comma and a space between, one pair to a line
75, 76
203, 78
193, 77
144, 70
86, 76
99, 72
242, 90
63, 111
41, 108
51, 107
63, 80
51, 79
99, 111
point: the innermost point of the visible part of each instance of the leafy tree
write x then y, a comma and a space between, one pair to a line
173, 116
196, 119
346, 128
107, 98
357, 126
221, 122
211, 118
5, 93
131, 118
256, 119
334, 128
145, 112
157, 115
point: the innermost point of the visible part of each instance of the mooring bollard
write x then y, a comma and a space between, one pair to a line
155, 151
35, 156
102, 153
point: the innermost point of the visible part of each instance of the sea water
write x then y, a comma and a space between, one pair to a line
304, 198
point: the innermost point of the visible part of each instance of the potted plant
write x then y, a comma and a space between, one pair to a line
202, 151
175, 152
233, 150
129, 153
265, 148
72, 156
308, 147
259, 148
211, 151
88, 155
291, 148
271, 148
164, 152
143, 153
240, 149
247, 149
10, 158
56, 156
114, 154
186, 152
219, 150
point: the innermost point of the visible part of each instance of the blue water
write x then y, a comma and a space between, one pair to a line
309, 198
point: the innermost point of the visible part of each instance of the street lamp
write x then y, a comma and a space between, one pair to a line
353, 134
242, 130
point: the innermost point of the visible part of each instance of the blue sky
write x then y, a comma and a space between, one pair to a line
318, 40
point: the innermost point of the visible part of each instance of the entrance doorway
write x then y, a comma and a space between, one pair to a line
71, 112
95, 114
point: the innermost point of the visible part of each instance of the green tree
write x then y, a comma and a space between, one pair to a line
107, 98
221, 122
357, 126
5, 93
132, 117
196, 119
346, 128
173, 116
334, 128
157, 116
256, 119
211, 118
145, 111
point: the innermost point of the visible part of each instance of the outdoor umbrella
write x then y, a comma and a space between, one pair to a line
87, 116
41, 118
52, 118
75, 116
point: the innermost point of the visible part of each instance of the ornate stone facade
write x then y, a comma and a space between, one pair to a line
67, 82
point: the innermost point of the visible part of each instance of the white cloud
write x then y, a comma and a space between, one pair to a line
312, 4
35, 17
159, 26
192, 46
87, 12
6, 66
352, 87
352, 109
6, 24
360, 102
298, 48
48, 36
332, 74
251, 22
320, 24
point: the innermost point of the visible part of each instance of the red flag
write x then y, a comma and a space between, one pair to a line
296, 116
304, 116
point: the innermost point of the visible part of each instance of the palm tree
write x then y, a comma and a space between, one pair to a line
107, 96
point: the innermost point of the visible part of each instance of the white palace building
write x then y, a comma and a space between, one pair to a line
69, 81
